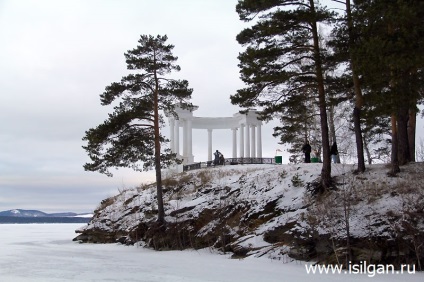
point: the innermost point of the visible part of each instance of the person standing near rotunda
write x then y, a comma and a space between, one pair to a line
306, 149
334, 152
217, 156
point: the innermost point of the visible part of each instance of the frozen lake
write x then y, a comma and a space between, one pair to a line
46, 252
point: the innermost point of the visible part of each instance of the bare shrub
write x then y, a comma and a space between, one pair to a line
105, 203
283, 174
297, 181
170, 182
143, 187
224, 173
205, 177
185, 178
372, 191
409, 218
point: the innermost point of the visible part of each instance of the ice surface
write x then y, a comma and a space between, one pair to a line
46, 252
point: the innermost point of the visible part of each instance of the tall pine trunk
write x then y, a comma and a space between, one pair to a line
393, 119
358, 138
403, 143
358, 95
161, 211
412, 125
367, 151
394, 156
326, 160
332, 129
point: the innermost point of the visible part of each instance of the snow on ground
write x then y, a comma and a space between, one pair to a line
46, 252
254, 186
85, 215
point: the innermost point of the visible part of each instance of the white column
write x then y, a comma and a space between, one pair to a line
252, 142
171, 131
177, 137
259, 141
209, 145
241, 140
190, 159
185, 141
234, 142
247, 141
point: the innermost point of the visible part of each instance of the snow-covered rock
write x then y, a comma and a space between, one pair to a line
268, 210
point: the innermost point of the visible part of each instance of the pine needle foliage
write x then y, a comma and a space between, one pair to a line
130, 136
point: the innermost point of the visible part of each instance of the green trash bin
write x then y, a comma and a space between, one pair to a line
314, 160
278, 159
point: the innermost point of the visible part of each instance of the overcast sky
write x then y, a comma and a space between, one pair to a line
56, 57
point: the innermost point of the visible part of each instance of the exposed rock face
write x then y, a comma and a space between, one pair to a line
267, 210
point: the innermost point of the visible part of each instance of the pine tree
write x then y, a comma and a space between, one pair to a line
131, 137
297, 115
390, 57
344, 41
283, 61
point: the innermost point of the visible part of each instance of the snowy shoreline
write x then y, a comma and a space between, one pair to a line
272, 211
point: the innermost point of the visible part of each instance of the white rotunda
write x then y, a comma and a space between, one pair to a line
248, 126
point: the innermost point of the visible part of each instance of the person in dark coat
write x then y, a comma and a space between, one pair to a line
221, 159
306, 149
217, 156
334, 152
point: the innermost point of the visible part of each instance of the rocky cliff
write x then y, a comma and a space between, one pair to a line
273, 211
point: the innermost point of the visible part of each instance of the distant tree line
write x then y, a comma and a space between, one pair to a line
319, 71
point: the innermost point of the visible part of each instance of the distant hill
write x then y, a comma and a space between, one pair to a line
36, 213
35, 216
